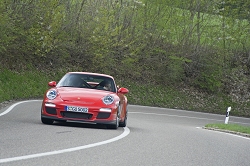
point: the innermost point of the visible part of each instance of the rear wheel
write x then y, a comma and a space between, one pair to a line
47, 121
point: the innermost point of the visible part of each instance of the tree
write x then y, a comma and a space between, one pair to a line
237, 9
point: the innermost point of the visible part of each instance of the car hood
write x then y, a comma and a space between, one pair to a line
82, 94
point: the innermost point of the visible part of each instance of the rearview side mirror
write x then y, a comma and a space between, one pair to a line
52, 84
123, 90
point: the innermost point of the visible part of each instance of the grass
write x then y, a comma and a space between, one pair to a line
22, 85
177, 98
230, 127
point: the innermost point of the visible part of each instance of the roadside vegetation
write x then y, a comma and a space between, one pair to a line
192, 55
230, 127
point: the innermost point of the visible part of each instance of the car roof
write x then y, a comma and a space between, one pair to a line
90, 73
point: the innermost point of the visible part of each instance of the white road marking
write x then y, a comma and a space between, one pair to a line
179, 116
11, 107
231, 134
170, 115
5, 160
124, 134
235, 135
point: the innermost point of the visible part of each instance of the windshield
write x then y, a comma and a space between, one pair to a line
78, 80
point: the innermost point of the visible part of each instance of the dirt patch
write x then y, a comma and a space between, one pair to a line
11, 102
7, 103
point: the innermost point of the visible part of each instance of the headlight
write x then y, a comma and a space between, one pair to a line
51, 94
108, 100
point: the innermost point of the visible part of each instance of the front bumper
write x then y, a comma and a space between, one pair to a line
94, 115
111, 122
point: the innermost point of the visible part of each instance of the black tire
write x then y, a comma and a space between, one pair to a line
124, 123
114, 126
47, 121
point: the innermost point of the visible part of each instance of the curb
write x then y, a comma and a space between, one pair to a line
228, 131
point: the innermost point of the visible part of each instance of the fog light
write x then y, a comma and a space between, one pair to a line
50, 105
105, 109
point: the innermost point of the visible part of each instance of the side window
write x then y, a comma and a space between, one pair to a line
106, 84
112, 85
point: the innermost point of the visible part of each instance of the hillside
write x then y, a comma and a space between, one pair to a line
192, 56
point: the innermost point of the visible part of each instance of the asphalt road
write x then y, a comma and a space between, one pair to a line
154, 136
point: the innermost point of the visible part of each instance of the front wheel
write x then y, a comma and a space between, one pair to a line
47, 121
116, 125
124, 123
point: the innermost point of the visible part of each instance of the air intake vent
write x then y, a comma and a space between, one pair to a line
76, 115
103, 115
50, 110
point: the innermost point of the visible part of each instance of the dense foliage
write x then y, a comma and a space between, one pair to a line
198, 44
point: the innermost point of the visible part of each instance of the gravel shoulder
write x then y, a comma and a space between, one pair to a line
7, 103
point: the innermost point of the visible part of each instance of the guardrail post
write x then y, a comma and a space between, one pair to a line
227, 115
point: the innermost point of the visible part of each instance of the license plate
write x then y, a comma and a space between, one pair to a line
76, 109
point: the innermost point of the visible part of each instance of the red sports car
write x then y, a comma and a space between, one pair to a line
85, 97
